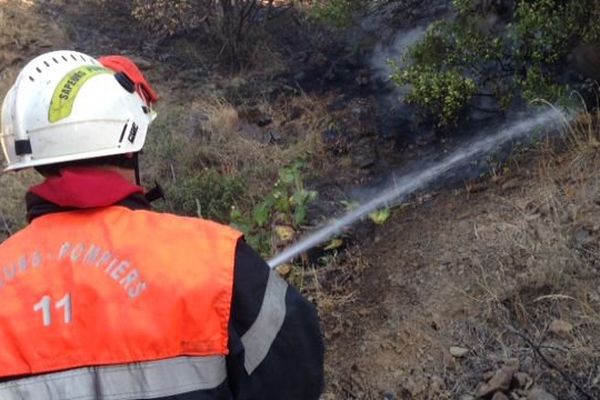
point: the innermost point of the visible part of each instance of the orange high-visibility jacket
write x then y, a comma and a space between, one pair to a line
103, 288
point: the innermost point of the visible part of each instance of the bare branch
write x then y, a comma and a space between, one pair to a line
536, 348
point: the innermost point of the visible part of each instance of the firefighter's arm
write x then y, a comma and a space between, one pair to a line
275, 343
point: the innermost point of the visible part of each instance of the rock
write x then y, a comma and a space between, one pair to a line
252, 132
500, 396
522, 379
540, 394
255, 115
458, 352
467, 397
582, 237
437, 384
499, 382
561, 328
363, 153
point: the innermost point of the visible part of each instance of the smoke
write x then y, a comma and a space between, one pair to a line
395, 51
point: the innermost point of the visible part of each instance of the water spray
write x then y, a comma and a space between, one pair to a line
412, 182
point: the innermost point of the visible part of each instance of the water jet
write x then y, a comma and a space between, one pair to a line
411, 182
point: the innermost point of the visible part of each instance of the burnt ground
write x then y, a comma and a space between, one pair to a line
479, 287
505, 269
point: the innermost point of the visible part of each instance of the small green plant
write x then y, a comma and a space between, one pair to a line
286, 204
380, 216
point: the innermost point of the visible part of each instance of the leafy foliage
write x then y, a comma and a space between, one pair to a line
546, 29
287, 204
512, 54
380, 216
537, 84
443, 94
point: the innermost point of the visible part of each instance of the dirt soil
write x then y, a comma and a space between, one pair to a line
505, 271
480, 291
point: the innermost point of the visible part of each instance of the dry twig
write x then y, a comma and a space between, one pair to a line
537, 349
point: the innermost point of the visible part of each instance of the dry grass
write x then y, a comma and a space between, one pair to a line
207, 134
539, 264
492, 278
331, 285
196, 130
12, 200
584, 140
23, 35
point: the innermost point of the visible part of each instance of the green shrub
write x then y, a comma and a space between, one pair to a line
286, 204
539, 85
544, 30
516, 55
443, 94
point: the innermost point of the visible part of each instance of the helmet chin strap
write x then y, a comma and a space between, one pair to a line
136, 168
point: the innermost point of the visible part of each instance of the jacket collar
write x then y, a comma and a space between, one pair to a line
83, 188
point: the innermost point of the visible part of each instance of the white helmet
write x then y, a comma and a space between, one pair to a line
65, 106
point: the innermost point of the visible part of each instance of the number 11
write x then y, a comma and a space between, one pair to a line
45, 306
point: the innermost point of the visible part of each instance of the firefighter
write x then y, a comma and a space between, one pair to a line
103, 298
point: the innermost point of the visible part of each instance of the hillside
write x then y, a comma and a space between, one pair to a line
485, 285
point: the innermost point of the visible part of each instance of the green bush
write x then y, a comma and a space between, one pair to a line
514, 56
286, 204
544, 30
442, 93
